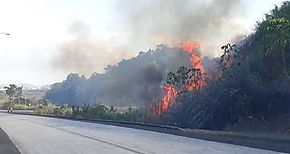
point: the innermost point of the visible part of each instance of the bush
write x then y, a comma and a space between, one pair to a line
257, 86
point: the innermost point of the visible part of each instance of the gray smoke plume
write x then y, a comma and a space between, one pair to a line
148, 23
173, 21
84, 55
136, 81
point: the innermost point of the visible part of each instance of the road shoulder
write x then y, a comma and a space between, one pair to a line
6, 145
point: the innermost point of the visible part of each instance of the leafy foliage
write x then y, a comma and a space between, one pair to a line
13, 92
183, 76
95, 111
257, 87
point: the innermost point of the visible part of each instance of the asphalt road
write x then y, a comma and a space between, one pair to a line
6, 145
41, 135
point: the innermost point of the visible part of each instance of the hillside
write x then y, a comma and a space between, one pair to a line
253, 86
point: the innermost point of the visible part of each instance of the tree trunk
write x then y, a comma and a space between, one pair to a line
10, 105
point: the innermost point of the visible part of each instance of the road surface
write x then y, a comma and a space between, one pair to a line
43, 135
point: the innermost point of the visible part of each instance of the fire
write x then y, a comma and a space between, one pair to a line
189, 46
192, 48
170, 92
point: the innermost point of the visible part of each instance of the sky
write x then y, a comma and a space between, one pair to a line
51, 38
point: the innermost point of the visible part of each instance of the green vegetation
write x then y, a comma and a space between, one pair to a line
13, 93
17, 101
253, 82
45, 108
109, 113
92, 111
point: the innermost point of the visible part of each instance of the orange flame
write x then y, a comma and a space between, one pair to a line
170, 92
192, 48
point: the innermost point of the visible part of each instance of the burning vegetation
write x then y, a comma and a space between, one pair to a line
183, 80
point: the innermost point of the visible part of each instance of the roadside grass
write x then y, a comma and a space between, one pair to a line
254, 135
23, 107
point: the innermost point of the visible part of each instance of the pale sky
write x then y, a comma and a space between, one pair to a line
38, 29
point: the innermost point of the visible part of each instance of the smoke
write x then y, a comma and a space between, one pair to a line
147, 23
136, 81
210, 22
83, 54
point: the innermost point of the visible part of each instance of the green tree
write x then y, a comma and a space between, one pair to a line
228, 57
182, 77
13, 92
